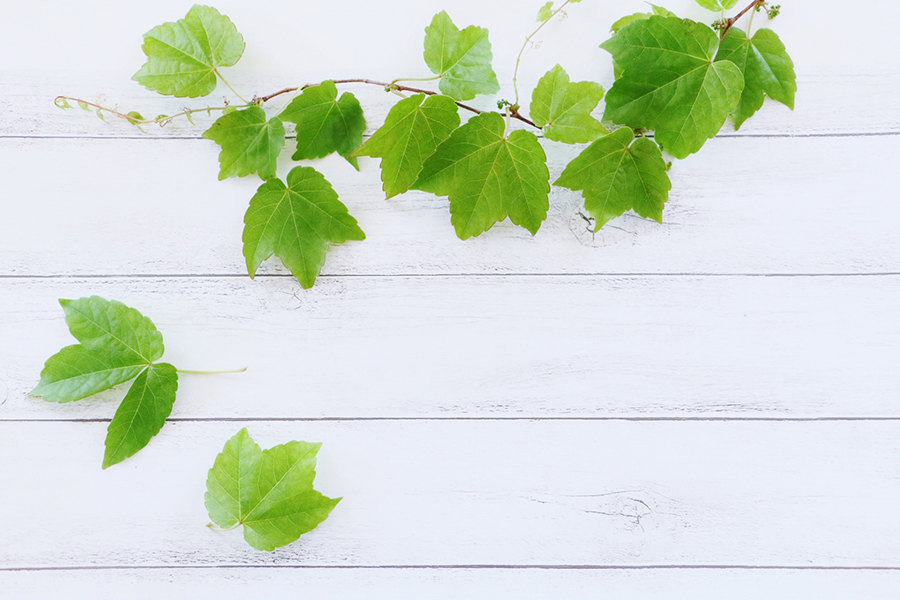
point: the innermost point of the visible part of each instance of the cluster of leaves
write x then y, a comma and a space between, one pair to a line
116, 344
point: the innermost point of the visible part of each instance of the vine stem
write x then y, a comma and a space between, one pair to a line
392, 86
522, 51
162, 122
730, 22
189, 372
215, 527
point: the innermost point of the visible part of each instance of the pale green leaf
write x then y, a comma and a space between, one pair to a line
142, 414
326, 124
670, 84
563, 109
297, 222
627, 20
488, 177
74, 373
109, 326
413, 129
616, 175
250, 144
182, 57
461, 58
545, 13
717, 5
269, 492
766, 66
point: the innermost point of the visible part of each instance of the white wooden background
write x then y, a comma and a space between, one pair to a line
703, 409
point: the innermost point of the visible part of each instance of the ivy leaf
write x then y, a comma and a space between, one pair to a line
269, 492
489, 177
413, 129
655, 10
250, 144
461, 58
717, 5
616, 175
766, 66
326, 124
670, 83
563, 109
297, 222
545, 13
142, 414
183, 57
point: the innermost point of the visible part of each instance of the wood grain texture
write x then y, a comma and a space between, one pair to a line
445, 584
125, 207
497, 347
485, 493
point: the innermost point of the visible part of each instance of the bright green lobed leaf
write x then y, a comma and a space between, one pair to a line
545, 13
461, 58
616, 175
142, 414
489, 177
269, 492
250, 144
413, 129
297, 222
109, 326
182, 57
655, 10
563, 109
766, 66
74, 373
717, 5
670, 84
326, 124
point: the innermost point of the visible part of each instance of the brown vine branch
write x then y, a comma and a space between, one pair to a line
729, 23
388, 87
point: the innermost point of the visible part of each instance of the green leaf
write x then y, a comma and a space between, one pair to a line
766, 66
563, 109
413, 129
717, 5
297, 222
489, 177
182, 57
461, 58
670, 84
326, 124
142, 413
656, 10
74, 373
545, 13
250, 144
616, 175
269, 492
108, 326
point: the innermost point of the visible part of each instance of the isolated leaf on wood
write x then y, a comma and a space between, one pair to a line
326, 124
563, 109
250, 144
117, 343
616, 175
766, 66
269, 492
183, 57
296, 222
670, 84
461, 58
414, 128
488, 176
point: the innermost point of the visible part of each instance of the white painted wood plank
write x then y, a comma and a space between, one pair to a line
490, 346
745, 206
484, 493
443, 584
